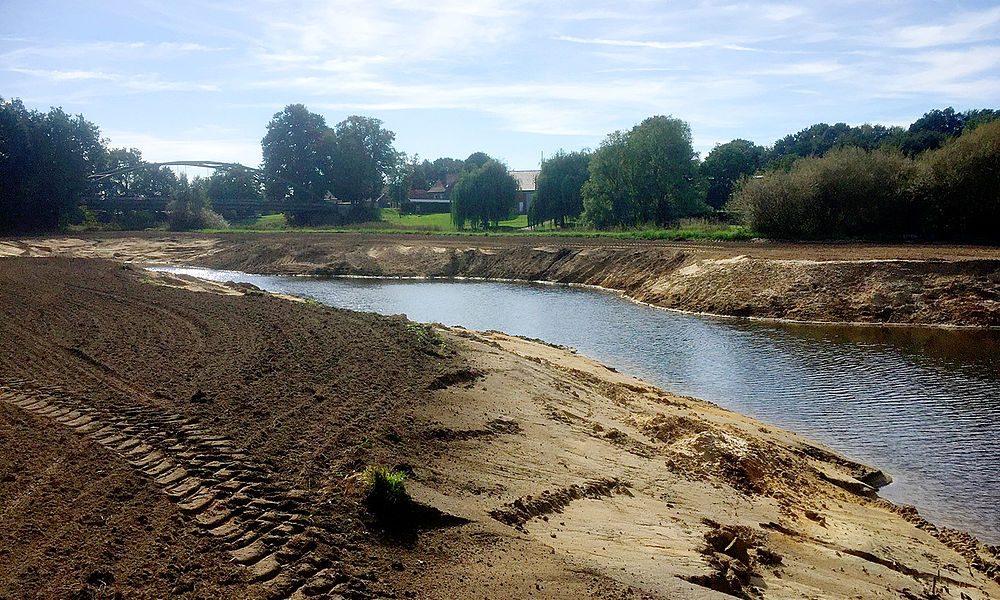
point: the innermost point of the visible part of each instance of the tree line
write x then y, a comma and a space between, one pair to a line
936, 178
949, 192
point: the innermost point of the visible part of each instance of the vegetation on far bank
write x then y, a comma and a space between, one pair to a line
936, 180
441, 224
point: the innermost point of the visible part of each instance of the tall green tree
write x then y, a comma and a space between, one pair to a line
475, 160
45, 161
724, 166
363, 157
484, 195
558, 193
646, 175
150, 182
298, 151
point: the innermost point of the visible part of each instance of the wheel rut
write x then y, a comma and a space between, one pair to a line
263, 526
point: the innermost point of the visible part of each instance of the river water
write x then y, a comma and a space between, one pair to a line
922, 404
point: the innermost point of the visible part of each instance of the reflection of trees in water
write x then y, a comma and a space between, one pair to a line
973, 352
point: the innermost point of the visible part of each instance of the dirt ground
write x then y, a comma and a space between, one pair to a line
856, 283
166, 437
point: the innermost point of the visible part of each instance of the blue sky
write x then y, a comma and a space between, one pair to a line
200, 80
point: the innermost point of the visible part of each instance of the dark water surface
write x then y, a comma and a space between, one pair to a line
922, 404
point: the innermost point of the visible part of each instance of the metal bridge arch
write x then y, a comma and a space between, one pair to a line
205, 164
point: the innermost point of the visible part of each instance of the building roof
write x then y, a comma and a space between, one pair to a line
444, 185
525, 179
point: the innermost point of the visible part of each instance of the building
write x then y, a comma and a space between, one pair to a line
526, 189
437, 199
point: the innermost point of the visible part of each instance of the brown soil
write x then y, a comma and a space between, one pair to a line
906, 284
161, 436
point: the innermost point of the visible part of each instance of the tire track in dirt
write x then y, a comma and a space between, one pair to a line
226, 494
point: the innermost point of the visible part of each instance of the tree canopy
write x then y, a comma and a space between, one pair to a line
363, 157
307, 164
726, 164
645, 175
483, 195
298, 149
45, 161
558, 188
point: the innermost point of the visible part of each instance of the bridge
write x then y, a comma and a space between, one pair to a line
205, 164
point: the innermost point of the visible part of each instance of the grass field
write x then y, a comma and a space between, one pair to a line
440, 223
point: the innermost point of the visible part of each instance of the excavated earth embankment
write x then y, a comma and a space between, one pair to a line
901, 284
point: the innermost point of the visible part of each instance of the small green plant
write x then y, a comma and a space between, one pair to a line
386, 490
427, 337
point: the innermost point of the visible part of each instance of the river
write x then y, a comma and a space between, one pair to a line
919, 403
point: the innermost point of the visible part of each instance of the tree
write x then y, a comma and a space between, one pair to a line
558, 188
475, 160
847, 192
647, 175
399, 180
946, 122
609, 194
298, 153
726, 164
155, 182
363, 157
441, 168
976, 117
45, 161
483, 195
235, 193
815, 140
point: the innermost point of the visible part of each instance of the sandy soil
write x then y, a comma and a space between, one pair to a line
163, 436
906, 284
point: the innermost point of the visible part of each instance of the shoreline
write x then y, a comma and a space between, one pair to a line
594, 287
856, 285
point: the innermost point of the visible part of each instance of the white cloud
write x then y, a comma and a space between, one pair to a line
190, 146
781, 12
638, 44
969, 74
55, 75
966, 28
137, 83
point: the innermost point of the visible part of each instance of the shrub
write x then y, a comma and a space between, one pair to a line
959, 185
850, 192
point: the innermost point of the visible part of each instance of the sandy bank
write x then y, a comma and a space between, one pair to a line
549, 474
930, 285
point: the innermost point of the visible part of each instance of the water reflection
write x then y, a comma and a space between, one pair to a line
920, 403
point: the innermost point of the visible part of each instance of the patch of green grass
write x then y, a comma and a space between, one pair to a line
440, 224
439, 221
429, 339
385, 487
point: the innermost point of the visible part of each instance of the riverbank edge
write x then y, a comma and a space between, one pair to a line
950, 287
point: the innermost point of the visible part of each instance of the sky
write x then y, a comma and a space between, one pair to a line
519, 80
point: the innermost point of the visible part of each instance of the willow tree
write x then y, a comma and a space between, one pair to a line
483, 196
